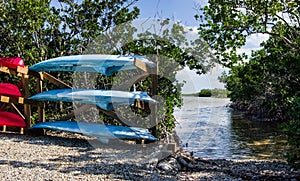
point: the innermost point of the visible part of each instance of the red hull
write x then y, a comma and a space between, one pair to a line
7, 89
12, 62
11, 119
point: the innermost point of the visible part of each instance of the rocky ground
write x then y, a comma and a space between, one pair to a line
62, 156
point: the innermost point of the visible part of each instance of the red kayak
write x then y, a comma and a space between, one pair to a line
10, 90
12, 62
11, 119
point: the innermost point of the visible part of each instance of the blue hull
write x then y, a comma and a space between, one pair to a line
104, 64
98, 130
105, 99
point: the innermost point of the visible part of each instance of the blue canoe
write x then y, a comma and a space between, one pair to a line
100, 131
105, 99
104, 64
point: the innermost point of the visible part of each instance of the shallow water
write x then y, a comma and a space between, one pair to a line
209, 129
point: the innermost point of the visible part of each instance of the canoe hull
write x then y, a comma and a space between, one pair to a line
11, 119
11, 62
105, 99
104, 64
98, 130
11, 90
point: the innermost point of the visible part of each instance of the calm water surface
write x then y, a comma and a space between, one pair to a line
209, 129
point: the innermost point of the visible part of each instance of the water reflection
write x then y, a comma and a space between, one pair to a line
263, 140
209, 129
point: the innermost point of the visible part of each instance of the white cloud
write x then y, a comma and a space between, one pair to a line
253, 43
194, 82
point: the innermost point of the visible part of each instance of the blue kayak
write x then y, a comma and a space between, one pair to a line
105, 99
104, 64
101, 131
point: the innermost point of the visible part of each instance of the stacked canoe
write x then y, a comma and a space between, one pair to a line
103, 99
8, 91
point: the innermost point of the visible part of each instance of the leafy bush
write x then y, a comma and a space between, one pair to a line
266, 84
205, 93
292, 130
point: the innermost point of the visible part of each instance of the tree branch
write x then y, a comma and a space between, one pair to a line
296, 17
285, 39
282, 19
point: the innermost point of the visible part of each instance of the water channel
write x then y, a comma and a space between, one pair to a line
209, 129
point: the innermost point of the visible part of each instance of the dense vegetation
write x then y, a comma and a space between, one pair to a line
216, 92
164, 45
266, 84
205, 93
37, 30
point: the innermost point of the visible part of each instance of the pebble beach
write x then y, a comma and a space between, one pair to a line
64, 156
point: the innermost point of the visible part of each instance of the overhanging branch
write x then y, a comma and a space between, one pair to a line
284, 38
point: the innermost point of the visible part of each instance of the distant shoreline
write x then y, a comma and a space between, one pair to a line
216, 93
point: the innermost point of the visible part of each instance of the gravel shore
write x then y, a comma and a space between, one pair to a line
63, 156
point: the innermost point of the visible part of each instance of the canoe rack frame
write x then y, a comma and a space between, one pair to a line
26, 73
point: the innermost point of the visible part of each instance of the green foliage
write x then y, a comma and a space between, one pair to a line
36, 31
262, 85
22, 26
205, 93
292, 130
226, 24
267, 84
163, 45
217, 93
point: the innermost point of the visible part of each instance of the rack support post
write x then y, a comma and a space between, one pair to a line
27, 108
154, 92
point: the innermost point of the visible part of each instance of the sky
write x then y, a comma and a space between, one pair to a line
184, 11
